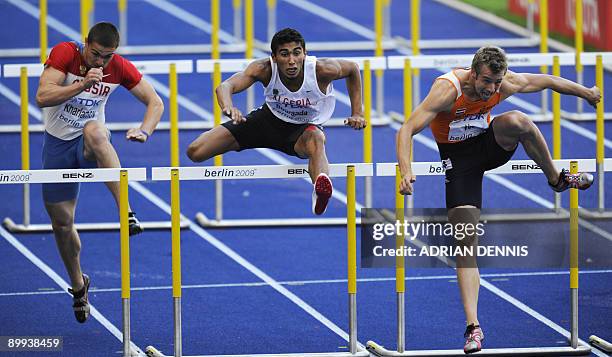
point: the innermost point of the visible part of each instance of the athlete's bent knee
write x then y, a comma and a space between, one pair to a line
62, 227
314, 138
95, 135
520, 121
194, 154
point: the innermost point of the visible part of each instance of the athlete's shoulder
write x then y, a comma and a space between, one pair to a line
66, 48
122, 71
260, 69
65, 57
328, 68
262, 64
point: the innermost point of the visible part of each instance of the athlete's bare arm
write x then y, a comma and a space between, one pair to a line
257, 71
330, 69
155, 108
51, 92
531, 82
441, 98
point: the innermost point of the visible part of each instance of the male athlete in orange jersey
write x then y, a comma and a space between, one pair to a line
458, 110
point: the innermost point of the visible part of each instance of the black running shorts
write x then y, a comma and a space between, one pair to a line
466, 163
263, 129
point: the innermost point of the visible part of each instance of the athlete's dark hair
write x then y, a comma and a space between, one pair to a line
286, 35
494, 57
105, 34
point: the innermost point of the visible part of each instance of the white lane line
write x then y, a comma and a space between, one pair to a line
63, 285
15, 99
543, 319
182, 100
333, 18
189, 18
245, 263
72, 34
52, 22
521, 103
584, 132
311, 282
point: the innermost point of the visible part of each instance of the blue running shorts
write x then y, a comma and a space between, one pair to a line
63, 154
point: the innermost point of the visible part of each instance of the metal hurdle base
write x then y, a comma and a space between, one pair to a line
13, 227
380, 351
600, 343
204, 221
153, 352
594, 214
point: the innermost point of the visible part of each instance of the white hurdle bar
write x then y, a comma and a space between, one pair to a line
145, 67
35, 70
350, 171
514, 60
122, 175
576, 348
511, 167
263, 172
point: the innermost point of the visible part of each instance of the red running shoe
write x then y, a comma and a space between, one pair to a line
321, 193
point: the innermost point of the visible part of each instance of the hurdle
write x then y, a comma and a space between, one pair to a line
23, 71
436, 168
217, 68
597, 59
350, 171
576, 348
123, 175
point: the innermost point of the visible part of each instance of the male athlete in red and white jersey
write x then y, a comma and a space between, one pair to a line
299, 99
74, 87
458, 110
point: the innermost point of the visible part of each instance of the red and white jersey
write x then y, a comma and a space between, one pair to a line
66, 120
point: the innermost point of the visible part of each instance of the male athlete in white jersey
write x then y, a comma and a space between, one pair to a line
299, 99
73, 89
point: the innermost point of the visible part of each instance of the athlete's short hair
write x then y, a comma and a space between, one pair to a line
105, 34
286, 35
494, 57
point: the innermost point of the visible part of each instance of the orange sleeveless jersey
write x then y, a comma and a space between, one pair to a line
466, 118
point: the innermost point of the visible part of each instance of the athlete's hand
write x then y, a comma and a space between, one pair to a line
593, 96
406, 187
234, 114
93, 76
356, 122
137, 134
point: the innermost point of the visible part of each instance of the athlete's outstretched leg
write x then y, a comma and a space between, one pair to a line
513, 127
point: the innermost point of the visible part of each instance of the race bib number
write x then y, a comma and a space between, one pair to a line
468, 127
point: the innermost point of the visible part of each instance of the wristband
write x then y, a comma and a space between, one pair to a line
145, 133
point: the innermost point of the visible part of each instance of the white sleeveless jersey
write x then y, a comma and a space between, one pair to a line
308, 104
